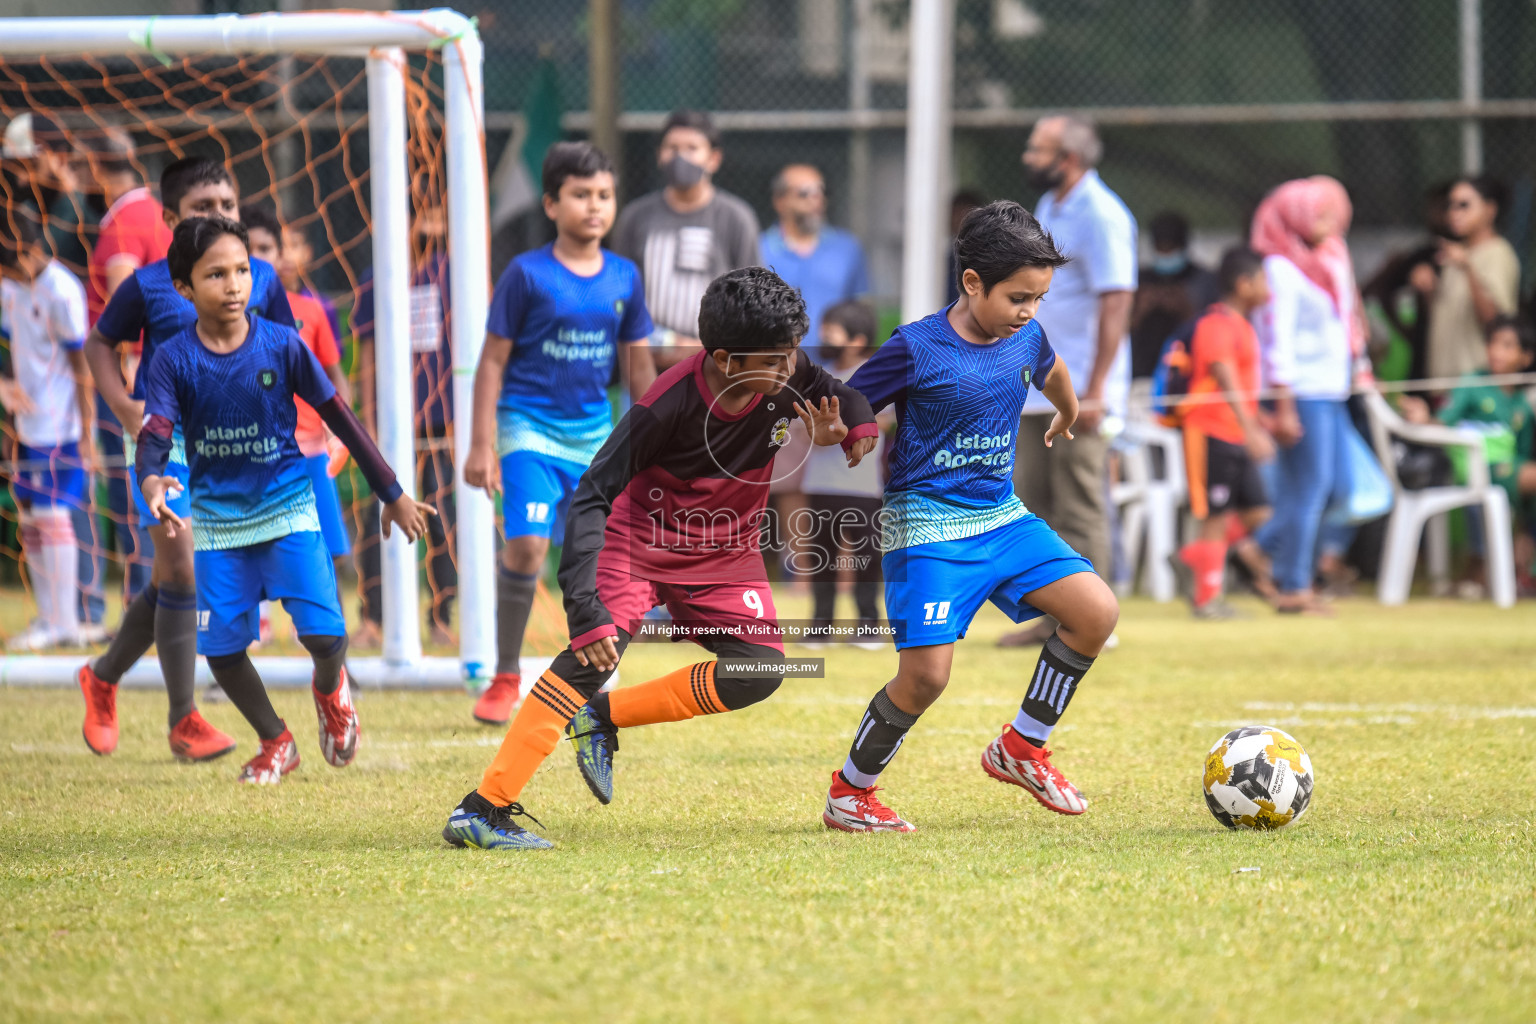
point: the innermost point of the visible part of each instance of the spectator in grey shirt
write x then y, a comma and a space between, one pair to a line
686, 235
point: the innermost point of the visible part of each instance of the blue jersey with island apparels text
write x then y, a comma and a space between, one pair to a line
957, 408
249, 482
566, 331
148, 303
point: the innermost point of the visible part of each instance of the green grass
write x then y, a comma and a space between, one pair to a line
132, 888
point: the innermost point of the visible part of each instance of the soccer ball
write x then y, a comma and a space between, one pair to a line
1257, 777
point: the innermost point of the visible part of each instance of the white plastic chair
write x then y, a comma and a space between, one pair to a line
1149, 504
1423, 512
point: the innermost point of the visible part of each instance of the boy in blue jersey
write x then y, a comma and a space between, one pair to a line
954, 534
562, 315
229, 380
148, 305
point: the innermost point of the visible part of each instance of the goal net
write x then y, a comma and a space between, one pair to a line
360, 133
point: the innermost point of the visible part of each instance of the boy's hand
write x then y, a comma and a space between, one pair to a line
860, 448
601, 654
90, 461
131, 416
1261, 447
408, 514
338, 456
15, 400
157, 492
1061, 426
1414, 409
482, 469
823, 424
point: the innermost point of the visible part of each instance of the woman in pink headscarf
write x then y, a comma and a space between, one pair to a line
1309, 333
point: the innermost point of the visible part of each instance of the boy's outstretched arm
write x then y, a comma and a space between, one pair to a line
837, 413
634, 444
154, 439
1057, 389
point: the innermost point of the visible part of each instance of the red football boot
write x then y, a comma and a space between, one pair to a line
850, 809
276, 758
193, 739
338, 723
497, 703
100, 728
1013, 759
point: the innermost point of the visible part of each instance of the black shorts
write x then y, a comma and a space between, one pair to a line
1232, 480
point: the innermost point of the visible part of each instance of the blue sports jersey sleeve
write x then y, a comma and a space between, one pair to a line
509, 304
1045, 361
305, 374
883, 378
123, 319
277, 309
636, 324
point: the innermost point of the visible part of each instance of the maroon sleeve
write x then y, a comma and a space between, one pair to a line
635, 444
343, 423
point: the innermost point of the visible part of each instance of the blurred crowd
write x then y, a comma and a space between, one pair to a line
1279, 442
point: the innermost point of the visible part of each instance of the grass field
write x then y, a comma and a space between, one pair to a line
132, 888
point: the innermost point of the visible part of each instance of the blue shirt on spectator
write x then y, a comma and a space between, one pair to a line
833, 272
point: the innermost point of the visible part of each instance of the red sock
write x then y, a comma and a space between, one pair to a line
1208, 558
1236, 531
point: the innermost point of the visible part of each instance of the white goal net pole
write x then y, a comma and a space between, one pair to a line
382, 38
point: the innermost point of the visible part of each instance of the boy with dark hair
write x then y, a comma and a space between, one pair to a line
1224, 443
669, 512
229, 380
955, 535
687, 234
149, 304
562, 316
42, 318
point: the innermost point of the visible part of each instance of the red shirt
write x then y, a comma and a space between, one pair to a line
315, 328
133, 231
1222, 336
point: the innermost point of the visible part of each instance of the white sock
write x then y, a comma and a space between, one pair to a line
37, 568
62, 559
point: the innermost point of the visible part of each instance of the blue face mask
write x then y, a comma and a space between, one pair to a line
1170, 263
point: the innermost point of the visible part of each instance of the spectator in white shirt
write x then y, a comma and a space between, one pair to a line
42, 313
1087, 319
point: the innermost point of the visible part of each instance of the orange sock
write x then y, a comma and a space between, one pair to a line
674, 697
1208, 558
531, 738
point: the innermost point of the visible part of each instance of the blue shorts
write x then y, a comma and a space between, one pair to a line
181, 504
50, 476
536, 494
232, 583
933, 591
328, 504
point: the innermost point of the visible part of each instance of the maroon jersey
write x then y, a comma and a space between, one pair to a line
676, 495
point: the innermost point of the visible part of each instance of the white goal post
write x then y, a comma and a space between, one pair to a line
383, 39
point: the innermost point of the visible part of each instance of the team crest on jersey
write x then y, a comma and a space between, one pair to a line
780, 435
618, 306
268, 378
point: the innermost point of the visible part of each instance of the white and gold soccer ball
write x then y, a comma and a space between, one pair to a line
1257, 777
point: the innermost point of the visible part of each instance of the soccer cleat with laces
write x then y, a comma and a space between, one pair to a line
850, 809
338, 723
193, 739
1013, 759
276, 758
595, 742
479, 823
499, 699
100, 728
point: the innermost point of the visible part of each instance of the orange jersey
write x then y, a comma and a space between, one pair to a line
133, 231
310, 320
1222, 336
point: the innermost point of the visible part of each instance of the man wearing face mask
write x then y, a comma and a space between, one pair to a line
686, 235
826, 264
1172, 289
1087, 317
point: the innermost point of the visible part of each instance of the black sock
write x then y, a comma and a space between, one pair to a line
514, 603
880, 733
330, 654
1057, 675
242, 684
134, 635
176, 645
